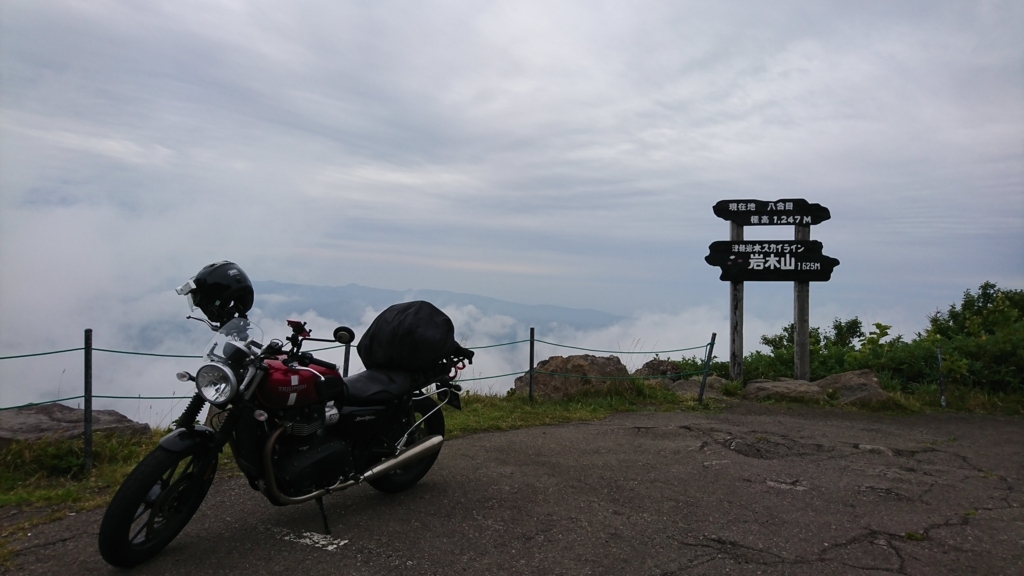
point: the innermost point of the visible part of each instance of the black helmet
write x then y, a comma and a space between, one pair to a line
221, 290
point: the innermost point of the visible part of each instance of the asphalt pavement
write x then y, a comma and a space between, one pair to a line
758, 489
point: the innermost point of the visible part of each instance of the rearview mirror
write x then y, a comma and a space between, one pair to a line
344, 335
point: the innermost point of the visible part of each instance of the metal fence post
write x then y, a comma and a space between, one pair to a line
531, 363
707, 364
88, 400
348, 352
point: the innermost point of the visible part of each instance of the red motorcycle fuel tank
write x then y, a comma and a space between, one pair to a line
285, 387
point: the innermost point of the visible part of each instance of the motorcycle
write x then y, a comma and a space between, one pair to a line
297, 427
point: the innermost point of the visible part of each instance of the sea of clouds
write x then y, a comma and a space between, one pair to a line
150, 325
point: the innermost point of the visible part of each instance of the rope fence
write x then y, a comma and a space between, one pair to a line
88, 349
622, 351
530, 371
41, 353
631, 377
145, 353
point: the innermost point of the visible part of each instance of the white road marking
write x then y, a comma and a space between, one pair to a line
321, 541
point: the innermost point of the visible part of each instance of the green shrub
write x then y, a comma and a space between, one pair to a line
982, 343
829, 349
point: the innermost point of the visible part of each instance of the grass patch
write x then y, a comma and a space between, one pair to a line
926, 398
50, 471
481, 413
732, 389
46, 479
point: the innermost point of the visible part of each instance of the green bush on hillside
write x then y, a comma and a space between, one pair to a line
982, 342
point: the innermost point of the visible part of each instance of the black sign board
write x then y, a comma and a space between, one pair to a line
788, 211
771, 261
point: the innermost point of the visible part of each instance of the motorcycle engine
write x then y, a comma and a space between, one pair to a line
309, 457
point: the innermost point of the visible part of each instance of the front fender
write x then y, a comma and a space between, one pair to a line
184, 439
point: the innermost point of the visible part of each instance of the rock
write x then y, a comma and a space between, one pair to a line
857, 387
586, 371
791, 390
60, 421
713, 383
659, 367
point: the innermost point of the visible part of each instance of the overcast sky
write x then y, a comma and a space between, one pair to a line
540, 152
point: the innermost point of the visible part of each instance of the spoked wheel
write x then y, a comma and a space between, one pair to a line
404, 478
154, 503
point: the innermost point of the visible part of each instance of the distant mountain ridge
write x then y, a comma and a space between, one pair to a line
348, 303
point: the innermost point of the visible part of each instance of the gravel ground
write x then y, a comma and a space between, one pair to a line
757, 489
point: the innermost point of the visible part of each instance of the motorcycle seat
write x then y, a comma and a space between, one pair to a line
378, 387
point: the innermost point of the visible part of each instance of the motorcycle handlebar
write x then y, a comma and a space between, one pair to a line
316, 362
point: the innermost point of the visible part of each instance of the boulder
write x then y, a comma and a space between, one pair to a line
586, 372
713, 383
790, 390
659, 367
60, 421
857, 387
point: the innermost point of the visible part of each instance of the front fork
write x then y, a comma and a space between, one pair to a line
189, 434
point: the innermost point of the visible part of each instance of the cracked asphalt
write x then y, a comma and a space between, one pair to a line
757, 489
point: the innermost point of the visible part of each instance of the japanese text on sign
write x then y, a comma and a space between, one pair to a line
752, 206
772, 260
768, 247
788, 211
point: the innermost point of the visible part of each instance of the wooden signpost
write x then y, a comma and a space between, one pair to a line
799, 261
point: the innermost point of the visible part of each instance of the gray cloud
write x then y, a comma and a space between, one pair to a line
564, 153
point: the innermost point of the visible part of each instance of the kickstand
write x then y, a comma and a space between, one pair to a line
323, 515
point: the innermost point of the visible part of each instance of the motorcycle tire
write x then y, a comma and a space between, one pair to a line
154, 503
404, 478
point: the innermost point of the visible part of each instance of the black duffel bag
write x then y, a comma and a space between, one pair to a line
412, 336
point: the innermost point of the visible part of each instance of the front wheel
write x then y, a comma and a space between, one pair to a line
406, 477
154, 503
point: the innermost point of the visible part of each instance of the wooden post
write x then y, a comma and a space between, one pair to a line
735, 315
531, 363
88, 400
802, 319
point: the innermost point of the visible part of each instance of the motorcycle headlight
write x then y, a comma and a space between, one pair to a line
216, 383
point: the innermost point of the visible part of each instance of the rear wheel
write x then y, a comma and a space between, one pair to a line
406, 477
154, 503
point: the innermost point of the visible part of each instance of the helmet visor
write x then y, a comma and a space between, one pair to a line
188, 290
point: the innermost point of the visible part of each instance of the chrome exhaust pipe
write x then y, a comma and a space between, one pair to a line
422, 449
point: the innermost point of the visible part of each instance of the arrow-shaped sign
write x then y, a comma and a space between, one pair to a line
771, 261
